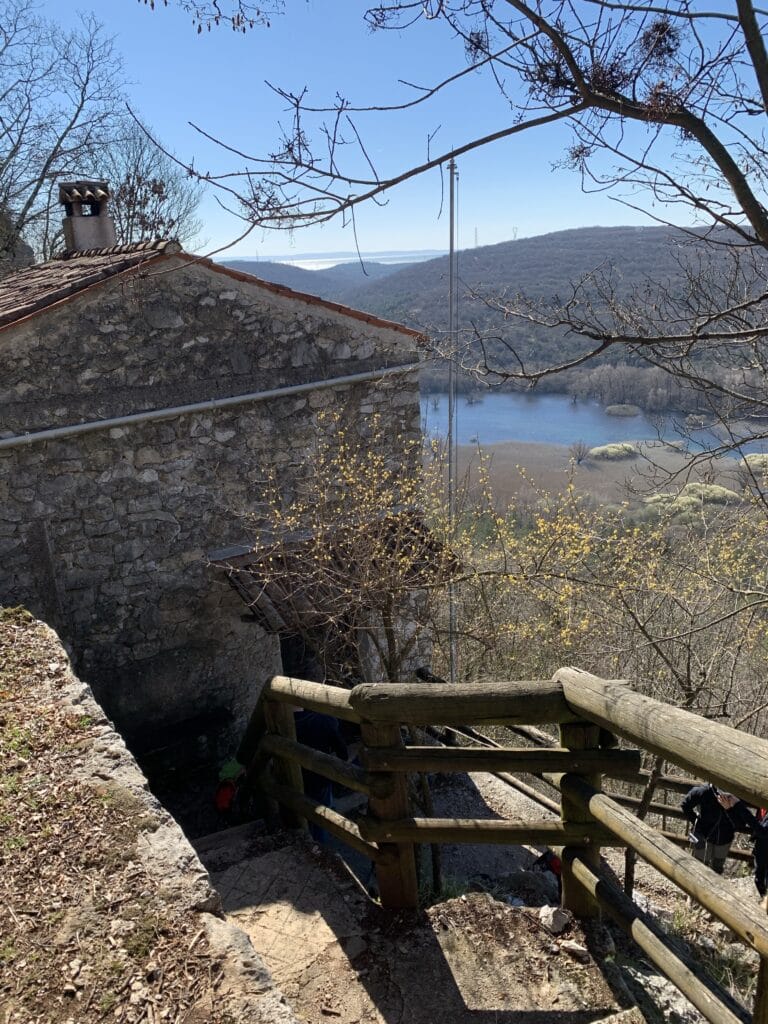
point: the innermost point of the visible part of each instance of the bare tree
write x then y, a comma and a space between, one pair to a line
63, 115
59, 90
666, 104
152, 197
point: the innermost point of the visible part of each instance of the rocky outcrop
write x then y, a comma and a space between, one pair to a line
101, 878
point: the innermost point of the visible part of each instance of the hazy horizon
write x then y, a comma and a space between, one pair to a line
326, 260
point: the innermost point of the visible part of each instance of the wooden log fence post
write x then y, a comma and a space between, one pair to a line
280, 721
760, 1008
396, 876
579, 736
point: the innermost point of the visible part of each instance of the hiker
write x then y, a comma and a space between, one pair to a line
714, 823
760, 849
321, 732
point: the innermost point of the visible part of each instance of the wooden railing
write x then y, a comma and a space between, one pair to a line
588, 711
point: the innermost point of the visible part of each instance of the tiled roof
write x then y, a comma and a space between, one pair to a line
34, 288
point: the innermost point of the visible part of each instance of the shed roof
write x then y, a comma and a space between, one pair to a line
32, 290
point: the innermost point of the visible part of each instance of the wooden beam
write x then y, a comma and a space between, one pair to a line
438, 704
483, 830
328, 700
760, 1005
397, 879
483, 759
735, 761
333, 822
579, 737
712, 892
279, 719
327, 765
674, 784
689, 977
530, 792
667, 810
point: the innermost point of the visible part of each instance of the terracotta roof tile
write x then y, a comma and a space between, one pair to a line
34, 288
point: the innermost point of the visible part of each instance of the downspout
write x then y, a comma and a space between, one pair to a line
152, 415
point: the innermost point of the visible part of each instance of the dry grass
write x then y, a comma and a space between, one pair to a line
85, 933
521, 471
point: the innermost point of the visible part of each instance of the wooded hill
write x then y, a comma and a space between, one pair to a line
543, 268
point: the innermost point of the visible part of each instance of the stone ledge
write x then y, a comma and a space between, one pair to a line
141, 874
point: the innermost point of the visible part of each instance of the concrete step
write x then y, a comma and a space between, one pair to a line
220, 850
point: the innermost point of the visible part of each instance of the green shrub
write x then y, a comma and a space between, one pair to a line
614, 452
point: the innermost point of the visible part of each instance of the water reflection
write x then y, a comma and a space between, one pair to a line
554, 419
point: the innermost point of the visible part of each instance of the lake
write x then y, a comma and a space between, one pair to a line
547, 419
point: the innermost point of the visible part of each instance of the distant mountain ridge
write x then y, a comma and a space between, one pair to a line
541, 266
334, 283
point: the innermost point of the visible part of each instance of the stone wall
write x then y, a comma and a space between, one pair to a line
119, 919
105, 534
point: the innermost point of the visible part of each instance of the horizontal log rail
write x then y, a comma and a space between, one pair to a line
327, 765
665, 810
328, 700
674, 784
484, 830
706, 995
482, 759
735, 761
712, 892
446, 704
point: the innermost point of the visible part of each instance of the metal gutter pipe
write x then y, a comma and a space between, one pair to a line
55, 433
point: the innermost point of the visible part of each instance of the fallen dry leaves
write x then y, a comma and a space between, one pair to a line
85, 934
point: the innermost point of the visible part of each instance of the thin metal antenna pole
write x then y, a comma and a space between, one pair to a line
452, 646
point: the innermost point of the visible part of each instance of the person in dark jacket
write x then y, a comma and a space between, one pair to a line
322, 732
759, 828
715, 818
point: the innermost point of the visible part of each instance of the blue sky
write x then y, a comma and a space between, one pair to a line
217, 80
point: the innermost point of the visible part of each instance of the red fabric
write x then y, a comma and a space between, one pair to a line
225, 795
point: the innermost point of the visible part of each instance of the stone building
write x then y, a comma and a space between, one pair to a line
145, 394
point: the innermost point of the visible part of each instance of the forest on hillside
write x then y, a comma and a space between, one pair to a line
590, 266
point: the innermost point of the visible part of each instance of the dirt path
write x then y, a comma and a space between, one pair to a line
337, 957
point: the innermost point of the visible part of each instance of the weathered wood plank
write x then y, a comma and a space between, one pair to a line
505, 703
329, 700
690, 978
327, 765
482, 759
397, 879
483, 830
712, 892
733, 760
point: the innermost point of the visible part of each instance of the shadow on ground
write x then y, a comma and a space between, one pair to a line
337, 956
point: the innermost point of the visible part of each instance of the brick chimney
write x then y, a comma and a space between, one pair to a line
87, 223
